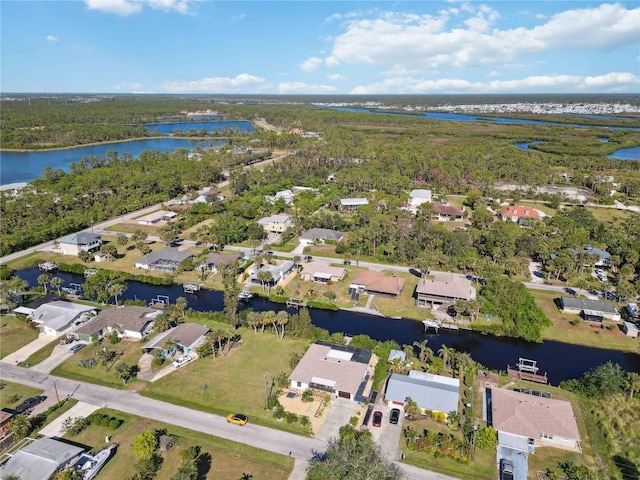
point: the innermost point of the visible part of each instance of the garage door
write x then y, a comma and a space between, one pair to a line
344, 394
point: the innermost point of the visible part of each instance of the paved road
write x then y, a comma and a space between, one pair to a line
300, 448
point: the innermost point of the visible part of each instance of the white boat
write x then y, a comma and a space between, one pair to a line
90, 465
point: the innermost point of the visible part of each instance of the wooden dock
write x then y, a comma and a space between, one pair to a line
296, 303
161, 301
437, 325
531, 377
191, 288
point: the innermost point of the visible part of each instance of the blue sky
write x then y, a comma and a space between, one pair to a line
319, 47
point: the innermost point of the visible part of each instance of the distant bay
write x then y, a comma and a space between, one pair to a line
221, 126
26, 166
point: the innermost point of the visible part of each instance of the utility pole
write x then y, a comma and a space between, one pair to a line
266, 391
56, 389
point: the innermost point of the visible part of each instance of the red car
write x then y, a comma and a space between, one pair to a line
377, 418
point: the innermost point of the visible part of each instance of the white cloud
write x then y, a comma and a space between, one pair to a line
128, 7
311, 64
336, 76
242, 83
428, 41
493, 73
238, 18
51, 38
610, 82
132, 87
292, 88
119, 7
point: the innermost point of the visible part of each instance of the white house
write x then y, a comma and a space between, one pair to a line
352, 204
275, 223
158, 218
286, 195
430, 392
55, 317
129, 322
79, 242
320, 235
418, 197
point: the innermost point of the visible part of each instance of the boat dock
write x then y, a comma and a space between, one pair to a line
90, 272
161, 301
296, 303
245, 294
437, 325
48, 266
191, 288
527, 370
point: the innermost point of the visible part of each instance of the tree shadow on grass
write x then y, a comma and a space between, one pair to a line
203, 464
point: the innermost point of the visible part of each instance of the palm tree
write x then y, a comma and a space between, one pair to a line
43, 281
253, 320
411, 408
425, 352
632, 383
264, 277
282, 318
116, 289
181, 305
409, 352
56, 282
447, 354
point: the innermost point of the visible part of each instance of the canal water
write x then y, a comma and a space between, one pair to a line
560, 361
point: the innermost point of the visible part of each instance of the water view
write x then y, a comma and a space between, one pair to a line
221, 126
560, 361
26, 166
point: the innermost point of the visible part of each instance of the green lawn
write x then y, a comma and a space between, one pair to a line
16, 333
582, 333
222, 459
234, 382
13, 394
127, 351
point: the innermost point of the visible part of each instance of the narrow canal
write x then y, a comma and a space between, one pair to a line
560, 361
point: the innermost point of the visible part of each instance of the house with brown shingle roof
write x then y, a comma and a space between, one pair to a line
338, 369
447, 212
524, 420
443, 289
378, 283
128, 322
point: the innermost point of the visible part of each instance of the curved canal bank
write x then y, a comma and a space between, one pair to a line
560, 361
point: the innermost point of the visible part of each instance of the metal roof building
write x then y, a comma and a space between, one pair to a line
430, 392
40, 459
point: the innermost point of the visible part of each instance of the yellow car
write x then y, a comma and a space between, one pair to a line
237, 418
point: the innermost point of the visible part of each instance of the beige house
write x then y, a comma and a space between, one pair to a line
378, 283
338, 369
443, 289
275, 223
79, 242
321, 272
525, 421
159, 218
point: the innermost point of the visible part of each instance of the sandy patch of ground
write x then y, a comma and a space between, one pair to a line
315, 410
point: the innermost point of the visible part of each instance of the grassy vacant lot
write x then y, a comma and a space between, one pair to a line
234, 382
13, 394
15, 333
127, 351
609, 215
225, 460
582, 333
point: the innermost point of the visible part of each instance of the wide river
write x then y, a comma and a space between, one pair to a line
560, 361
26, 166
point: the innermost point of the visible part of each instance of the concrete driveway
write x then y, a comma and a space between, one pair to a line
79, 410
29, 349
60, 354
339, 414
387, 435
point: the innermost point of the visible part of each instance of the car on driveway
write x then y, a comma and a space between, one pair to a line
377, 418
77, 347
506, 469
395, 416
29, 403
181, 361
237, 418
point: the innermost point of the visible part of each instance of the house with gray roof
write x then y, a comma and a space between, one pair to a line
429, 391
278, 272
416, 198
352, 204
591, 310
129, 322
285, 195
167, 259
184, 338
525, 421
55, 317
320, 235
338, 369
79, 242
40, 460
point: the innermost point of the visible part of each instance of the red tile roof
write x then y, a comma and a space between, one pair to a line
519, 211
